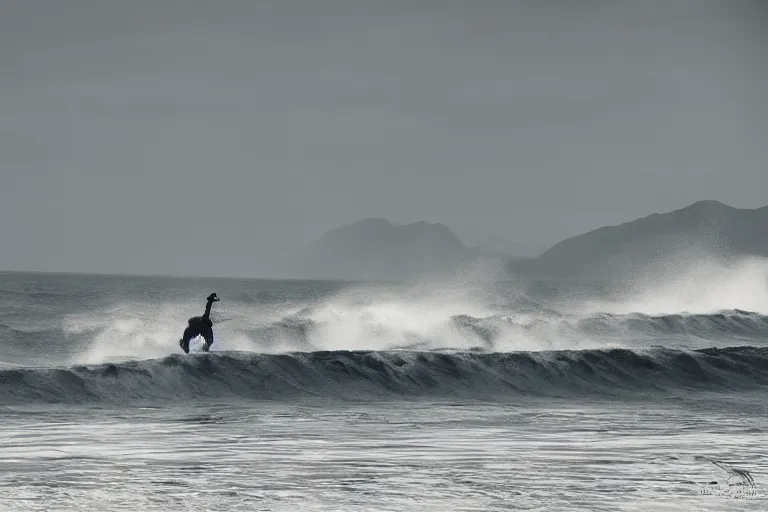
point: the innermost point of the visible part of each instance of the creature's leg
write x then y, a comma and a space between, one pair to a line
189, 333
207, 334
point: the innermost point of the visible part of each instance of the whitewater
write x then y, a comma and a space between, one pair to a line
479, 392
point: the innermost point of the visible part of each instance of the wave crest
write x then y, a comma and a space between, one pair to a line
380, 375
547, 330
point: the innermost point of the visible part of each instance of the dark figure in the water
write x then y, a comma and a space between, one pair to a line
200, 326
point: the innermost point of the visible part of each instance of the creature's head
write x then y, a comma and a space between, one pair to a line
213, 298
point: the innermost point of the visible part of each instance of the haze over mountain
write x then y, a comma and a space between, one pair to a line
376, 249
703, 229
496, 246
373, 249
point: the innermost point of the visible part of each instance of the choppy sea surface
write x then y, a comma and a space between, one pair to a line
464, 395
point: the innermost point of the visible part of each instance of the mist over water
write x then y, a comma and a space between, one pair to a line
480, 326
475, 310
692, 286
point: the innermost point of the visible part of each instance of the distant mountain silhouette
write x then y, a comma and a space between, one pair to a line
376, 249
703, 228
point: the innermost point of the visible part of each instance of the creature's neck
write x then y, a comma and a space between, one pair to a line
208, 309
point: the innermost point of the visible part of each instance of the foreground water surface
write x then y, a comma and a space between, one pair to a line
405, 455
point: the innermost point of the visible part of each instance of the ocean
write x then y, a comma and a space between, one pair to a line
470, 393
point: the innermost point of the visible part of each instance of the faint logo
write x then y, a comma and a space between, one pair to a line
743, 476
739, 484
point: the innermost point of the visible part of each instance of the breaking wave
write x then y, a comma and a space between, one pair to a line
352, 375
543, 331
114, 338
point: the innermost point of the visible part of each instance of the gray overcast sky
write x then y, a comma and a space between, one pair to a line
158, 136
